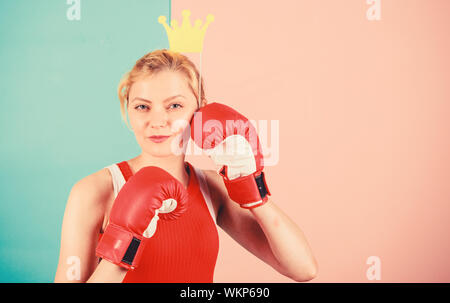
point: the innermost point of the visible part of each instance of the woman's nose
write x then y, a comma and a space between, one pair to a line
158, 119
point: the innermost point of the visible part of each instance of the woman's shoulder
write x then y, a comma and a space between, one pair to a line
94, 187
88, 201
211, 175
216, 186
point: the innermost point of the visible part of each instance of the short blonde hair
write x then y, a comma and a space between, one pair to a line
154, 62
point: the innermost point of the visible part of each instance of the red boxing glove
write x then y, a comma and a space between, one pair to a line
149, 194
232, 143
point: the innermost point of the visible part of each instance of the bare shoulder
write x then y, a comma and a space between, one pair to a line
96, 186
91, 196
83, 218
230, 213
216, 188
214, 180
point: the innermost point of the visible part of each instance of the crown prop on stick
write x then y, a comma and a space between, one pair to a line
186, 38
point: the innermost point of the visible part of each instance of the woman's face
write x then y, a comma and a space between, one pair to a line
161, 105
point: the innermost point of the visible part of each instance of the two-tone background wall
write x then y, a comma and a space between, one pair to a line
359, 88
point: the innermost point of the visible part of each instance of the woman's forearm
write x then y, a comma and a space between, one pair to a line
287, 242
107, 272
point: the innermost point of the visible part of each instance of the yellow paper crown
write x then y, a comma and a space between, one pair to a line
186, 38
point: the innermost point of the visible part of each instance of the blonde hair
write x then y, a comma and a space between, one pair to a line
154, 62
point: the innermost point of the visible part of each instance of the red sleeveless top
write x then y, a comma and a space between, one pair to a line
183, 250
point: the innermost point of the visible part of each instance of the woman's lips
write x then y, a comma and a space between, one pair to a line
158, 139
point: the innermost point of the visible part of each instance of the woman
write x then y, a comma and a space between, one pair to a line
163, 87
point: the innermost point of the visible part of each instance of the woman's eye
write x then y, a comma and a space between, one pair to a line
176, 105
141, 107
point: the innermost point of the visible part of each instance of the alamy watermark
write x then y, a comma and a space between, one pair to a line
374, 271
73, 272
73, 12
373, 13
259, 136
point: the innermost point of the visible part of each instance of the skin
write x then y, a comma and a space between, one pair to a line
265, 231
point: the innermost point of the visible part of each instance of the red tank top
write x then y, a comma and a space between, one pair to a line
183, 250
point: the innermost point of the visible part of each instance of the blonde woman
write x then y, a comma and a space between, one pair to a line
162, 89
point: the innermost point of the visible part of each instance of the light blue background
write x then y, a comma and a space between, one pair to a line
60, 116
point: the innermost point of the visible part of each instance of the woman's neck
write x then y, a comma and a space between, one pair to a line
173, 165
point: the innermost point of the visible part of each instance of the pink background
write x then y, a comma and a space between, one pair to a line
364, 114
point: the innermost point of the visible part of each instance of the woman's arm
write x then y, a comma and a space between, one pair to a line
107, 272
82, 222
287, 242
265, 231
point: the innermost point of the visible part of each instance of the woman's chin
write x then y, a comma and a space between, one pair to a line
161, 151
168, 148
